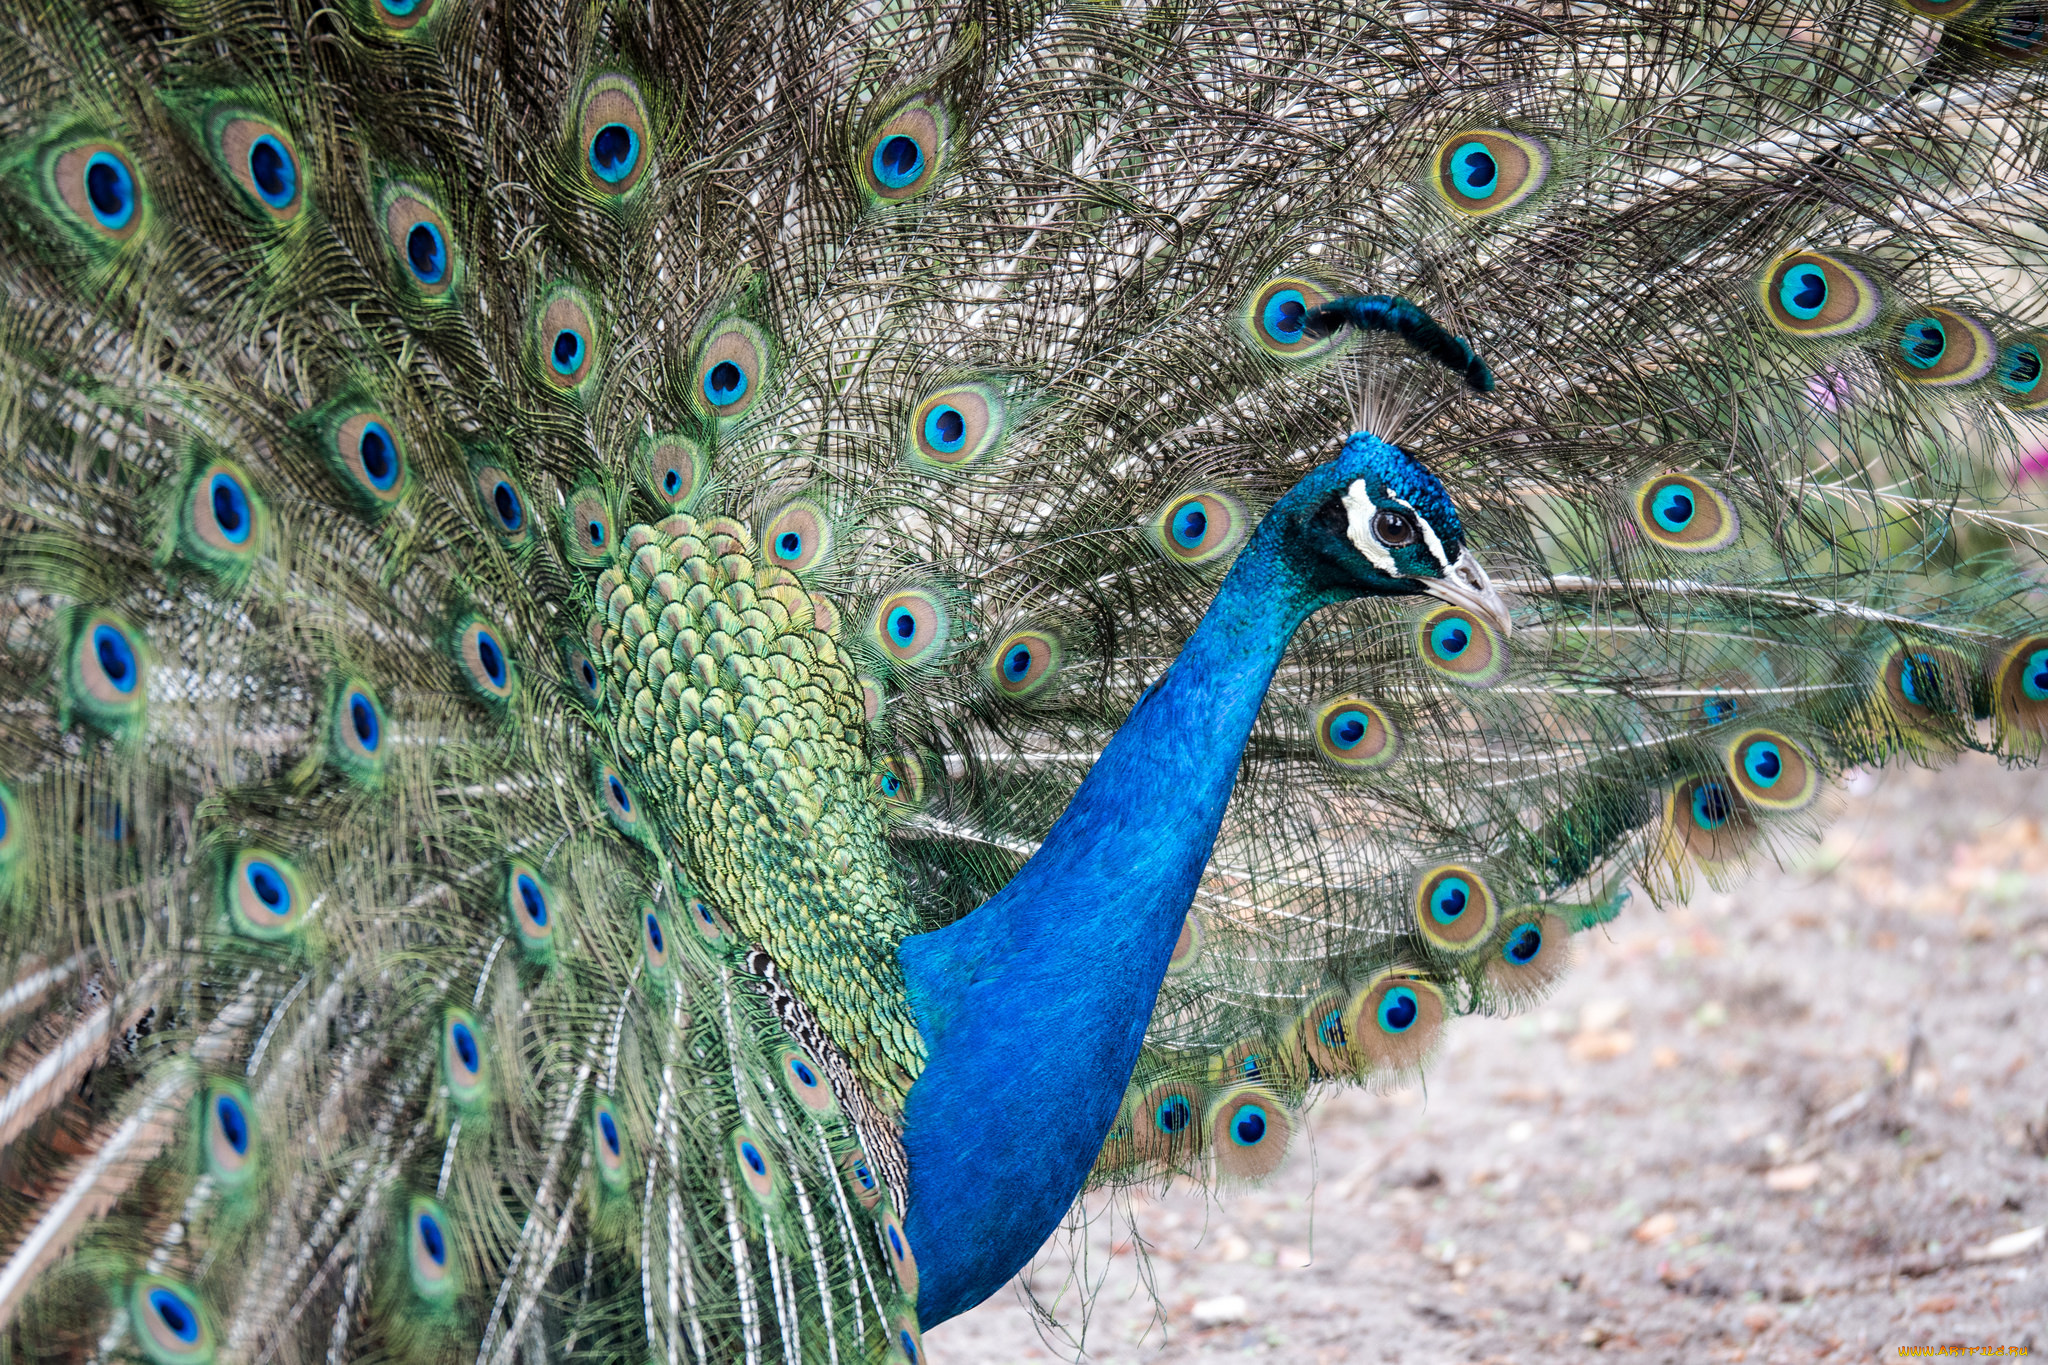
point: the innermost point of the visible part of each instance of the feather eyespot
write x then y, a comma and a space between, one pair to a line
1455, 910
608, 1142
1025, 664
1813, 294
900, 783
1772, 771
363, 446
901, 1259
355, 738
1276, 318
484, 664
798, 536
497, 494
616, 150
957, 426
1395, 1021
2019, 374
1486, 171
1166, 1120
222, 525
860, 1178
1534, 954
805, 1081
586, 679
873, 700
260, 158
227, 1134
530, 911
106, 672
1249, 1129
903, 157
1355, 735
1924, 686
906, 1344
1945, 349
756, 1167
1458, 644
589, 528
420, 244
430, 1251
912, 627
1680, 512
671, 468
1707, 818
1199, 529
731, 369
97, 184
622, 805
710, 925
170, 1322
654, 940
565, 339
462, 1059
264, 896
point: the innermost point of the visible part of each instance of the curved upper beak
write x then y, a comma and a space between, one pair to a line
1466, 584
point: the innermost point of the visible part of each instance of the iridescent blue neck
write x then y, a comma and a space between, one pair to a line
1033, 1007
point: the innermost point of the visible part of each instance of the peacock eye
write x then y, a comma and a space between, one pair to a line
1393, 528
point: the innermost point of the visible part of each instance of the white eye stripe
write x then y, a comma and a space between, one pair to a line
1429, 535
1359, 510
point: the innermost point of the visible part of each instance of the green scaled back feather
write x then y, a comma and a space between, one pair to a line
540, 545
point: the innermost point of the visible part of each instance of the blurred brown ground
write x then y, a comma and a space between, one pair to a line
1790, 1123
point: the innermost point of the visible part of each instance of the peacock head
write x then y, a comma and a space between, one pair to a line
1373, 522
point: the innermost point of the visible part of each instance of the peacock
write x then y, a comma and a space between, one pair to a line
667, 669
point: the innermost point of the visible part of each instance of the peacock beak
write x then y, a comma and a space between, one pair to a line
1465, 584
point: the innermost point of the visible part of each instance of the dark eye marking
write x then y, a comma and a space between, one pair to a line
1391, 528
1332, 515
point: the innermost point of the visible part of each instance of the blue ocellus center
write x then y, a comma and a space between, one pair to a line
1190, 525
1348, 729
492, 659
374, 449
426, 253
903, 625
431, 1239
2023, 370
725, 383
175, 1315
614, 151
510, 515
567, 352
1285, 316
1450, 638
1804, 292
1523, 945
752, 1157
804, 1075
2034, 677
1017, 664
654, 939
1711, 806
1474, 171
465, 1046
1248, 1129
619, 797
270, 170
116, 658
945, 429
269, 886
1174, 1114
1447, 902
1923, 342
1763, 763
609, 1127
233, 1126
1673, 507
898, 160
1398, 1009
535, 903
230, 509
789, 545
110, 190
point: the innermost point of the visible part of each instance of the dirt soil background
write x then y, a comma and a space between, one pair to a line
1804, 1121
